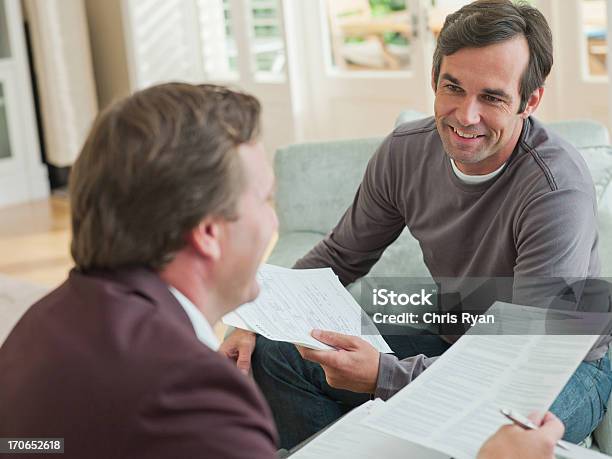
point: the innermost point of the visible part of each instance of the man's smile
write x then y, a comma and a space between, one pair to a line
464, 136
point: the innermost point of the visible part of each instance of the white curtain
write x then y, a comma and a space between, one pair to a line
65, 79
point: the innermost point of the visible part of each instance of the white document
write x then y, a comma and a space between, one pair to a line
293, 302
454, 406
233, 320
348, 438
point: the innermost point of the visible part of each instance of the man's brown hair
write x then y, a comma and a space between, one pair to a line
153, 165
486, 22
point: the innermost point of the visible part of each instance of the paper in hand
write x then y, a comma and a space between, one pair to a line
293, 302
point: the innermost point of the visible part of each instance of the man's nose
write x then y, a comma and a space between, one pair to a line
468, 112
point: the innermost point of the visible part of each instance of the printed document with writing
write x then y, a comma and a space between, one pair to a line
454, 405
351, 438
293, 302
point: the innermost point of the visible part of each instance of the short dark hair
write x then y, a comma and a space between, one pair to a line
153, 165
486, 22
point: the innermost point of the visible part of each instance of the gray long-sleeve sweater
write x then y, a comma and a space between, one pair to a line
536, 219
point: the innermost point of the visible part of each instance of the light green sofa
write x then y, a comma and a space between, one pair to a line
317, 182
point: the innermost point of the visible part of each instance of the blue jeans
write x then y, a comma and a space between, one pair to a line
582, 403
303, 403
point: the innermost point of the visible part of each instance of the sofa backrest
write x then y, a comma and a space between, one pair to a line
599, 160
582, 133
316, 181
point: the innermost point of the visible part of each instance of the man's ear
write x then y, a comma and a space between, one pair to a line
534, 101
206, 238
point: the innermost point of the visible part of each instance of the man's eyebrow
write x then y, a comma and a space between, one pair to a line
449, 77
497, 92
489, 91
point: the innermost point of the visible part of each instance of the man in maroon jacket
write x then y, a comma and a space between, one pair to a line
171, 216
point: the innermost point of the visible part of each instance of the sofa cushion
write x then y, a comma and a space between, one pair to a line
402, 258
605, 242
581, 133
290, 247
316, 182
599, 161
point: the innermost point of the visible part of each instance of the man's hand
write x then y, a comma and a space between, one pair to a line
352, 366
239, 345
512, 441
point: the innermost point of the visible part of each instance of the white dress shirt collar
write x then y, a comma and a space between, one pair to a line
203, 330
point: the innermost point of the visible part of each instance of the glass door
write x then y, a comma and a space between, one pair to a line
363, 64
22, 174
368, 60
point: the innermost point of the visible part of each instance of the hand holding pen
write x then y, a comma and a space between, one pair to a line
524, 423
512, 440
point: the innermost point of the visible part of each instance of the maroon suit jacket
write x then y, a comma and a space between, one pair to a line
110, 362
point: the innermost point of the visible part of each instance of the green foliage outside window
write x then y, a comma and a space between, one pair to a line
382, 7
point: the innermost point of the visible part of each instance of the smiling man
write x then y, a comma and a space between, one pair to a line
487, 190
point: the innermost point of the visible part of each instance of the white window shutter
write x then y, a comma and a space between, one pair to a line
219, 51
163, 41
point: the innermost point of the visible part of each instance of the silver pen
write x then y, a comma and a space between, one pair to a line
524, 422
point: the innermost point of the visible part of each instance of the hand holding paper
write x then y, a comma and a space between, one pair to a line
352, 366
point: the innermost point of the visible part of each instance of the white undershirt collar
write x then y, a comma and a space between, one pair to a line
474, 179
